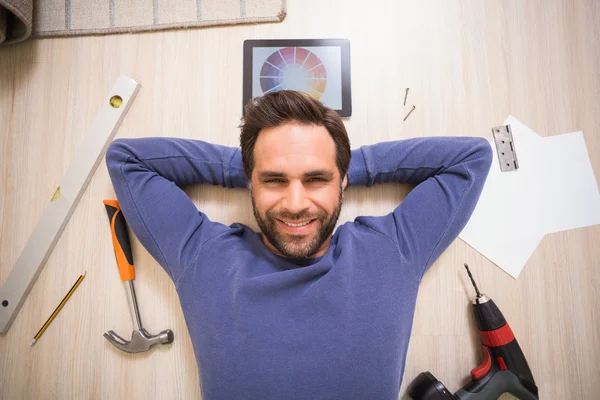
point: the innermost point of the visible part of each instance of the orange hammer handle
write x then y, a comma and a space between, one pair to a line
120, 239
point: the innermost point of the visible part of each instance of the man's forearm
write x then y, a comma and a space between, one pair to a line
182, 161
415, 160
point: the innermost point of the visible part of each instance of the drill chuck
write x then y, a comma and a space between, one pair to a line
487, 314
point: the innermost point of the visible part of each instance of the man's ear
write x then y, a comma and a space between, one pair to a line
345, 182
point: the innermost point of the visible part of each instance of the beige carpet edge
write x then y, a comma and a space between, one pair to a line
159, 27
281, 15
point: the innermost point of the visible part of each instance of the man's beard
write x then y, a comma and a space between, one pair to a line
297, 246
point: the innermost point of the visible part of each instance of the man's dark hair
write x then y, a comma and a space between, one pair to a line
278, 108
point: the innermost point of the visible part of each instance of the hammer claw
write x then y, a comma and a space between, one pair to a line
115, 339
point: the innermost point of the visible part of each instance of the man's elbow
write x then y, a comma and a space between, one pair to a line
483, 155
117, 154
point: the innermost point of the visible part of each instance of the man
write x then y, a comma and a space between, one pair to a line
296, 312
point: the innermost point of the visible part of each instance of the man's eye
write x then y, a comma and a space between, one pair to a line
309, 180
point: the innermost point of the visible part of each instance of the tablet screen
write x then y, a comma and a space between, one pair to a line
319, 67
313, 70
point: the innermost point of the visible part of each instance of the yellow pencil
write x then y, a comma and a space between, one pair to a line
60, 306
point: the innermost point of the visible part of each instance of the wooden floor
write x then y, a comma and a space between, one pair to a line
468, 64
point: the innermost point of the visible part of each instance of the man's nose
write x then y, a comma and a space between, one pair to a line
296, 199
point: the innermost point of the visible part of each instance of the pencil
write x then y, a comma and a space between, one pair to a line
60, 306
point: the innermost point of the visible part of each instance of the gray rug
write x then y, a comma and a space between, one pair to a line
20, 19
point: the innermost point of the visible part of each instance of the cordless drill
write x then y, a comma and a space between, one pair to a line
504, 367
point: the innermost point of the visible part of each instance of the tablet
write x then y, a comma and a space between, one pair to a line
319, 67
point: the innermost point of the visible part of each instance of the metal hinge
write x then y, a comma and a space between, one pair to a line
505, 147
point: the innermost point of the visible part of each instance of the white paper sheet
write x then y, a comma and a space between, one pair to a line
553, 190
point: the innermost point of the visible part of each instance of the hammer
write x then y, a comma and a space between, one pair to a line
141, 340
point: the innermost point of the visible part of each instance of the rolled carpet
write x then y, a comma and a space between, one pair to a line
16, 18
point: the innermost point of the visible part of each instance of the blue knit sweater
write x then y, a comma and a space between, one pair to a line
266, 327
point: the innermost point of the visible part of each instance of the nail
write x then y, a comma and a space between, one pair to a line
405, 96
411, 110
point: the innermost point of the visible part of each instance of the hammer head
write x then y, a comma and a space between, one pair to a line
140, 340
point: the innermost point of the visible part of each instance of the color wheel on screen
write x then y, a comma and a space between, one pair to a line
293, 68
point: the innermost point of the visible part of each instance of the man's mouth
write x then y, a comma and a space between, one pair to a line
297, 226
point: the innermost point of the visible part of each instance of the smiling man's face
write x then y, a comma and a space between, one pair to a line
296, 189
